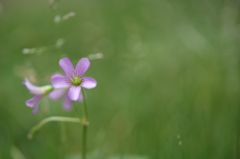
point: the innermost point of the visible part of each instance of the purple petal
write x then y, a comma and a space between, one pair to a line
57, 73
35, 110
57, 94
74, 92
82, 66
33, 101
32, 88
60, 81
67, 67
67, 103
88, 82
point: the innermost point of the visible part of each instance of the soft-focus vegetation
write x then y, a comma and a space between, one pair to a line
168, 82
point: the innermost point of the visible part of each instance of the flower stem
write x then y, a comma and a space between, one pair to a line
37, 127
84, 142
85, 112
84, 125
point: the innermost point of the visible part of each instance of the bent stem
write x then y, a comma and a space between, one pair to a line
84, 125
37, 127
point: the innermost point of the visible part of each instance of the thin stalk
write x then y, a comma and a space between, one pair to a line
85, 112
84, 125
84, 142
37, 127
63, 140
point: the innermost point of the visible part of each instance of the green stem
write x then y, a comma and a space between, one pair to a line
85, 112
84, 125
84, 142
37, 127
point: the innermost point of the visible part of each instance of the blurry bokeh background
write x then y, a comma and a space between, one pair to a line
168, 82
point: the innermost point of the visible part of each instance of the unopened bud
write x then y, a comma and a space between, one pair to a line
29, 51
180, 143
69, 15
95, 56
57, 19
60, 42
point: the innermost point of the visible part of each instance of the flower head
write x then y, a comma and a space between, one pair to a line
62, 93
74, 79
38, 93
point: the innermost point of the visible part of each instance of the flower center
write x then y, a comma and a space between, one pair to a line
76, 81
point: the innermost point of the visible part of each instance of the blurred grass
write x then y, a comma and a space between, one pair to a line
168, 86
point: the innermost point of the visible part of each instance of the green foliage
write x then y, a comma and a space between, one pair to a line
168, 80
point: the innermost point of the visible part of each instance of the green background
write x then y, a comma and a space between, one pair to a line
168, 85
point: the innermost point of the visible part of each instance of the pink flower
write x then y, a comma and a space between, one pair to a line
74, 79
61, 93
38, 93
